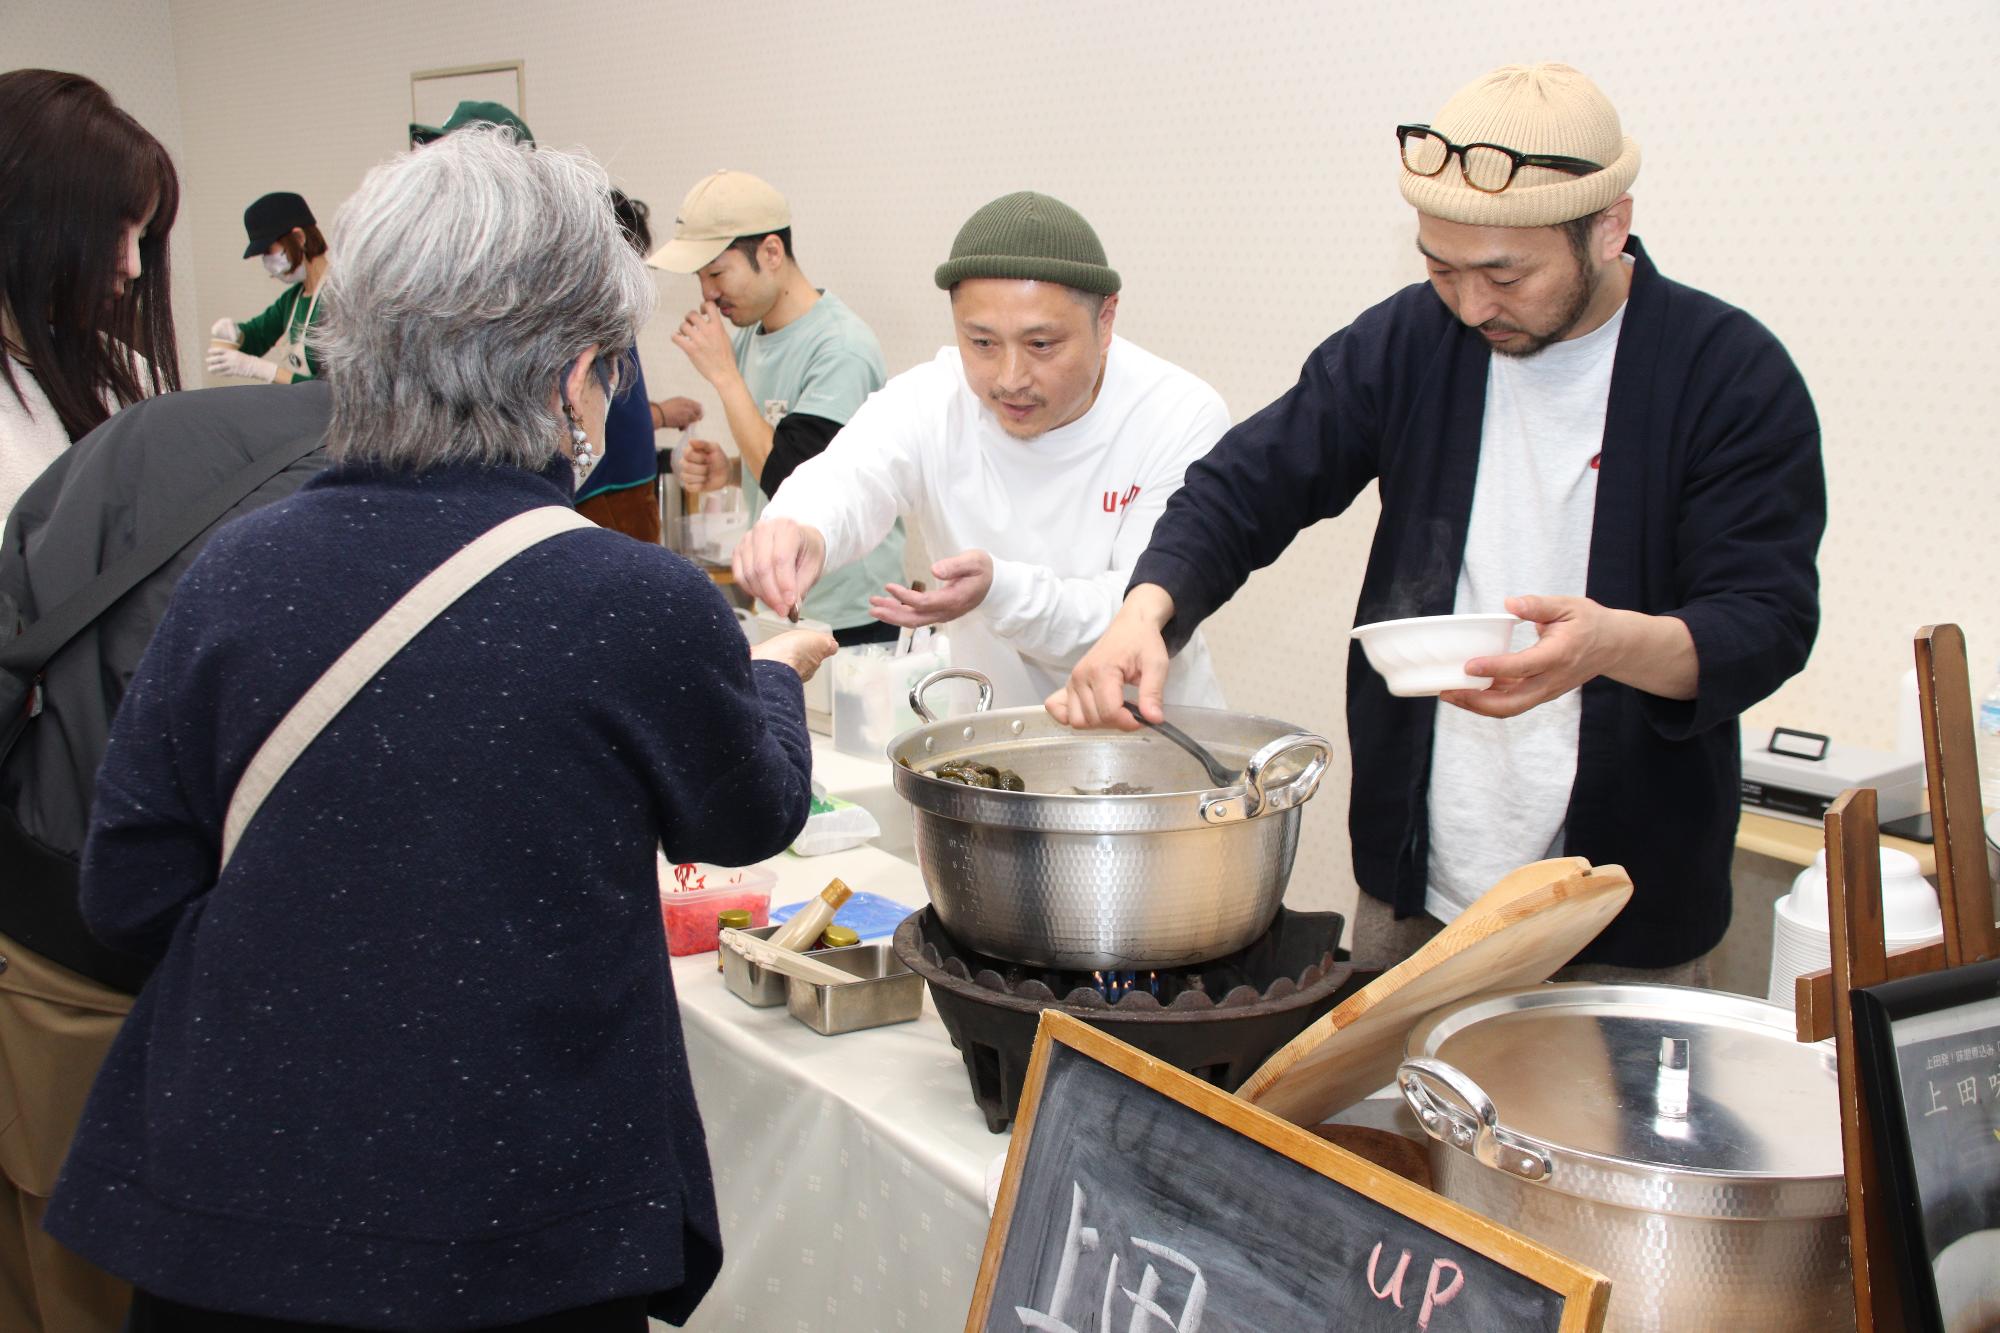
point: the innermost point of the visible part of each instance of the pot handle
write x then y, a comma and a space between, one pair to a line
949, 673
1468, 1120
1303, 784
1254, 799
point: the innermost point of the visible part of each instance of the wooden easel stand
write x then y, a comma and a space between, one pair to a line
1854, 904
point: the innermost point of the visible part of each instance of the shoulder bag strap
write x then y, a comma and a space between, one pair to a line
29, 652
372, 651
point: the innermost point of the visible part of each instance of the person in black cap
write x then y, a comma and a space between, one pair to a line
283, 232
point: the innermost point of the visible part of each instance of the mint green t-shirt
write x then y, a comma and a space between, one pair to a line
825, 363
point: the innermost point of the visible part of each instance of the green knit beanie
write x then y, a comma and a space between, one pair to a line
1029, 235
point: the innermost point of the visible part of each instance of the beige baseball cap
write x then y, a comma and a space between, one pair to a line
721, 207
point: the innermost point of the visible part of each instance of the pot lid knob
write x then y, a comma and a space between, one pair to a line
1670, 1088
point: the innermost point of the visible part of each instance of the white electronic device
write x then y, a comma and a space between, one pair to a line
1798, 774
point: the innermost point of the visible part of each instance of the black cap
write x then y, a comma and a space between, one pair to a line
271, 217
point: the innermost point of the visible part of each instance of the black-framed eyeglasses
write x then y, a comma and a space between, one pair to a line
1487, 167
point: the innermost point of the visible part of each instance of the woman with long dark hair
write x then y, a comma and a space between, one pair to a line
86, 318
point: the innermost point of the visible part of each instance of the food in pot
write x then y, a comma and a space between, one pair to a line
972, 773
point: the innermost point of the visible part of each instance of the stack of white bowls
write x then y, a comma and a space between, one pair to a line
1801, 940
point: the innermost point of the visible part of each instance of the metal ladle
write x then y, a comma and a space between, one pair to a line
1218, 773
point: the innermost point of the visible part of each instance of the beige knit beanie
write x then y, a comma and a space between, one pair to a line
1542, 109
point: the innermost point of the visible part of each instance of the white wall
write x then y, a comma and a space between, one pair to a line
1827, 166
128, 46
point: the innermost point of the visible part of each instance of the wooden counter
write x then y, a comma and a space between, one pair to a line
1788, 840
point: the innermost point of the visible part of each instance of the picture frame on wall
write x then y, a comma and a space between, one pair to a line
1928, 1053
435, 93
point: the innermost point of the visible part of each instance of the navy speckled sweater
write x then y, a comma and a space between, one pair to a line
414, 1061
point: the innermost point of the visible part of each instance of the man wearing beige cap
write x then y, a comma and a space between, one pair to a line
798, 365
1559, 431
1034, 454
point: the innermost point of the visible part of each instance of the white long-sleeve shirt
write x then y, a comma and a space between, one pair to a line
1065, 516
31, 435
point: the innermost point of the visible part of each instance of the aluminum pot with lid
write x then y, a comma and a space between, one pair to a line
1121, 853
1679, 1141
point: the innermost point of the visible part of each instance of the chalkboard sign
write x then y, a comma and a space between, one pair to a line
1929, 1058
1137, 1196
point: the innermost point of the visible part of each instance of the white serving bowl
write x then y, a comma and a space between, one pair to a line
1427, 654
1801, 938
1909, 903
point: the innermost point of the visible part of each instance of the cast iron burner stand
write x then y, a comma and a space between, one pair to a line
1218, 1020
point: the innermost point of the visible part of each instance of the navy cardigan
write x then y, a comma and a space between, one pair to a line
1710, 505
413, 1061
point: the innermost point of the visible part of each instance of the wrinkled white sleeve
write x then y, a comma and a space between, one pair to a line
868, 475
1055, 620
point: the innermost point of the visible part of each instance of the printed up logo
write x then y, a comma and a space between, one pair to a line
1113, 501
775, 410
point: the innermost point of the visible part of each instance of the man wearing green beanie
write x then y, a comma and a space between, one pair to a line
1035, 455
1558, 431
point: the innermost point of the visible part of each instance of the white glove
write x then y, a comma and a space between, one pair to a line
225, 331
229, 361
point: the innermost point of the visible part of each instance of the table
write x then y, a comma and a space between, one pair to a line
1789, 840
849, 1171
869, 784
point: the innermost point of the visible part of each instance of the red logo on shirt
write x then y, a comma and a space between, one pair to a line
1595, 459
1113, 501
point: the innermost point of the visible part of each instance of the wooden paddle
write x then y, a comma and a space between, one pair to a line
787, 961
1516, 934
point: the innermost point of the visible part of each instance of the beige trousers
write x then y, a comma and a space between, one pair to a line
55, 1027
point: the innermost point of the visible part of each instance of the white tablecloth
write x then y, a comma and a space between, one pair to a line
868, 784
849, 1170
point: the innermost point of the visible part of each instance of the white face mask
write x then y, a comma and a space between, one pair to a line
274, 264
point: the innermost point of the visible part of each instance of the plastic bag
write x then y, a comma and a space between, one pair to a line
871, 693
834, 825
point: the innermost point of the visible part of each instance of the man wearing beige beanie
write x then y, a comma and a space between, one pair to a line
1557, 430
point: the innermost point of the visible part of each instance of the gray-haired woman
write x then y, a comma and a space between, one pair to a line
410, 1058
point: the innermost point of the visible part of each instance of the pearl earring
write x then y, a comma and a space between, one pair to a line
585, 457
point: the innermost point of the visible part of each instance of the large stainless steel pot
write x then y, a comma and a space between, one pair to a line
1681, 1142
1178, 875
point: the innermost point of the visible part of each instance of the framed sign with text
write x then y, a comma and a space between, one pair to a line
1138, 1196
1929, 1057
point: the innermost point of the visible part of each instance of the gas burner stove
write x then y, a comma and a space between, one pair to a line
1218, 1020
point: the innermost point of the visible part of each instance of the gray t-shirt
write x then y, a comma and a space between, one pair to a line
1500, 787
825, 363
